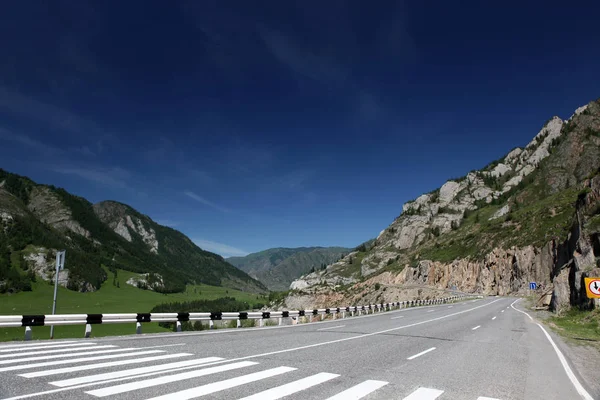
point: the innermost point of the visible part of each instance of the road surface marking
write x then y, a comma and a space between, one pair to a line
421, 353
128, 387
493, 318
53, 356
77, 360
180, 335
431, 311
359, 391
133, 372
52, 343
582, 392
39, 352
502, 311
101, 365
6, 350
331, 327
222, 385
292, 387
477, 327
450, 306
486, 398
400, 316
424, 394
507, 307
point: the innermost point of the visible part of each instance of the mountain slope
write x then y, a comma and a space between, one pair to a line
36, 220
278, 267
530, 216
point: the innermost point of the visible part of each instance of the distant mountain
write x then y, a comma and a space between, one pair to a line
278, 267
36, 220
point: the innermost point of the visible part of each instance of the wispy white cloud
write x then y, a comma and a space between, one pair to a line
220, 248
202, 200
113, 177
303, 62
27, 141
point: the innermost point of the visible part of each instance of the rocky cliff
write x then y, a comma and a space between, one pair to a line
530, 216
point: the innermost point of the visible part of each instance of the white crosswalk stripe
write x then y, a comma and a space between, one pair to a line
77, 360
42, 347
56, 351
54, 356
222, 385
12, 346
424, 394
128, 387
359, 391
133, 372
102, 365
292, 387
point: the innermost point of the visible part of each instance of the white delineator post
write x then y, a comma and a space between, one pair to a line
60, 264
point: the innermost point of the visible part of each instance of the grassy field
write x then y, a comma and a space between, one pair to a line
579, 326
109, 299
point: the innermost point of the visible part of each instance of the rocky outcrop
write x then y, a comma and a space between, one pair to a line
123, 222
47, 206
42, 262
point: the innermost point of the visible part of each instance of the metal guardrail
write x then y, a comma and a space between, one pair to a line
29, 321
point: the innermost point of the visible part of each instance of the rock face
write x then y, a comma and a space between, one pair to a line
49, 208
117, 217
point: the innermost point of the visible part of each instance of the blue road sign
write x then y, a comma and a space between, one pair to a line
532, 285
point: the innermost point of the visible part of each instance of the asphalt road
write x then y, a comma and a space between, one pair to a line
477, 350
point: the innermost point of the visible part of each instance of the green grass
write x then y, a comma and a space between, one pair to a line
108, 299
580, 326
352, 269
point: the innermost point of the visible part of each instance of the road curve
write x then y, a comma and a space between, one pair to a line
477, 350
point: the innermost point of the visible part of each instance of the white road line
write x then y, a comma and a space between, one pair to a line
486, 398
331, 327
502, 311
450, 306
493, 318
420, 354
477, 327
128, 387
54, 356
424, 394
222, 385
102, 365
580, 389
400, 316
359, 391
77, 360
35, 353
180, 335
53, 343
133, 372
292, 387
431, 311
45, 347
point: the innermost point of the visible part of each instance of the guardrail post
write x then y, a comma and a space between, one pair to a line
88, 331
343, 314
178, 326
280, 322
238, 323
138, 328
260, 323
322, 317
28, 333
211, 324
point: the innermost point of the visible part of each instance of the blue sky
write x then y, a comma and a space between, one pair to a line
254, 125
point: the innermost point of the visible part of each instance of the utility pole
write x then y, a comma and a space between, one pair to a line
60, 264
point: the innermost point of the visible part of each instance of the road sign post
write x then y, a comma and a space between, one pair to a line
592, 287
60, 264
532, 285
